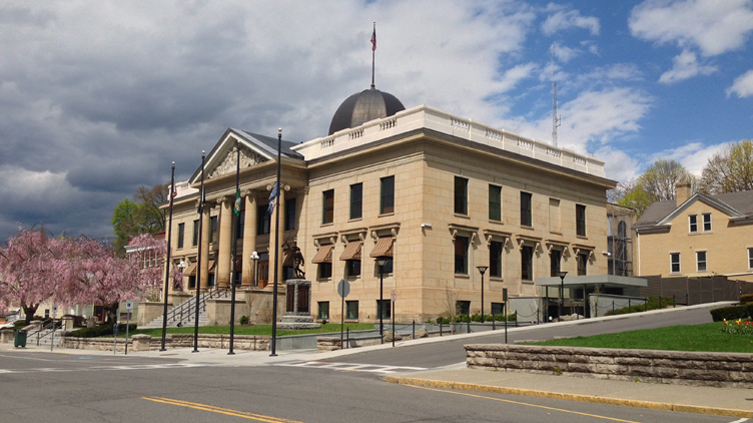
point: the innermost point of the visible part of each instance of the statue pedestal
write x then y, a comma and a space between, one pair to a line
297, 306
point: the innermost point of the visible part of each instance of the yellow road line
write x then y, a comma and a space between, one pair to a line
523, 403
226, 411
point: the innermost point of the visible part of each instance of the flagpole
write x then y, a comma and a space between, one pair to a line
277, 248
373, 55
167, 261
197, 285
236, 219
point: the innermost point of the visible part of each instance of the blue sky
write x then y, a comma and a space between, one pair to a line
97, 98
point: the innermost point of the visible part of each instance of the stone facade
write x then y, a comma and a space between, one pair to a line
149, 343
684, 368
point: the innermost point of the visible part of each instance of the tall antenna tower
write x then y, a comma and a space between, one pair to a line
556, 119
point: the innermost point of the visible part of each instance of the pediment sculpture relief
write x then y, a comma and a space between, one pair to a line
228, 164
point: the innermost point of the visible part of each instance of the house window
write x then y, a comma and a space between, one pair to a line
495, 203
582, 264
328, 209
387, 203
556, 258
580, 220
461, 255
463, 307
701, 260
498, 309
693, 219
325, 270
385, 310
352, 310
495, 259
240, 227
526, 263
213, 235
525, 209
356, 201
707, 222
289, 214
181, 232
750, 258
195, 238
352, 267
674, 260
461, 195
323, 310
262, 227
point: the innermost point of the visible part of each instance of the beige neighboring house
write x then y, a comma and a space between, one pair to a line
436, 194
697, 235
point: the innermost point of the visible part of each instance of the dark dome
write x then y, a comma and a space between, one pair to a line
362, 107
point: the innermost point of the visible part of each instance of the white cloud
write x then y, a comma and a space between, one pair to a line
619, 166
714, 27
693, 155
564, 53
563, 20
743, 85
685, 66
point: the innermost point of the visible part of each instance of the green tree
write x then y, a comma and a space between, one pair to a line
657, 183
131, 218
730, 170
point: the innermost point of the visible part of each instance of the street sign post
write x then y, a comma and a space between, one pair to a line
393, 297
504, 302
129, 305
54, 314
343, 289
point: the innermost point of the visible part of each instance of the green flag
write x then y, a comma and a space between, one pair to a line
237, 207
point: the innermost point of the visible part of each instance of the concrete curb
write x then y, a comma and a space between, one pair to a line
569, 397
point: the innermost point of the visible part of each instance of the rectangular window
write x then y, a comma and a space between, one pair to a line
750, 258
498, 309
387, 203
463, 307
240, 227
262, 227
707, 222
582, 264
323, 310
580, 220
693, 221
674, 259
352, 310
701, 260
495, 203
328, 209
181, 233
461, 195
384, 310
555, 223
495, 259
352, 267
461, 255
192, 282
526, 263
195, 238
213, 234
525, 209
356, 201
325, 270
290, 214
556, 258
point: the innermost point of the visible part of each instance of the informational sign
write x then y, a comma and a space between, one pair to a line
54, 311
343, 288
504, 295
393, 294
129, 304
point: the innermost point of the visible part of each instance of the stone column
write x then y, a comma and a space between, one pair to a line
272, 246
225, 242
204, 276
249, 239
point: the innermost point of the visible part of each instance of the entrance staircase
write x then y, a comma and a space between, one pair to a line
185, 313
38, 335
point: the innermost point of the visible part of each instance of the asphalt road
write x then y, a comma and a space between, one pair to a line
42, 387
452, 352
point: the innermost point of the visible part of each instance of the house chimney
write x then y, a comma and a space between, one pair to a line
682, 192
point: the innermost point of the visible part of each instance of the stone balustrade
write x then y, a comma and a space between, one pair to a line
677, 367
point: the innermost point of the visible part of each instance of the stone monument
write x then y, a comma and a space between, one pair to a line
297, 306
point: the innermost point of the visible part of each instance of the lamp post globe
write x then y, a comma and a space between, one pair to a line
255, 259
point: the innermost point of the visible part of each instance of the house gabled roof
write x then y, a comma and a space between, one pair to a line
659, 215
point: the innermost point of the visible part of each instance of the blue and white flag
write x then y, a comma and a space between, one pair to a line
272, 198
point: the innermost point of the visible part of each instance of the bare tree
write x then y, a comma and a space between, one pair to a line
730, 170
451, 306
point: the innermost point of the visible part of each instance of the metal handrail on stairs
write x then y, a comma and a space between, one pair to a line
186, 310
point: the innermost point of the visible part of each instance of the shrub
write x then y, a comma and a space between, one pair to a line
102, 330
730, 313
244, 320
746, 298
651, 304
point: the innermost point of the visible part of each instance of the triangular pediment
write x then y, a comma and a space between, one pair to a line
223, 158
229, 163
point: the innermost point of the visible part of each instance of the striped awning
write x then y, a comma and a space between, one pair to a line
352, 251
190, 270
211, 266
383, 247
324, 255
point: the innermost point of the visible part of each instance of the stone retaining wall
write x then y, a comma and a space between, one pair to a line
684, 368
149, 343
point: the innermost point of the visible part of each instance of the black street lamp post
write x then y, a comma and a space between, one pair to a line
562, 293
381, 261
482, 269
167, 260
255, 259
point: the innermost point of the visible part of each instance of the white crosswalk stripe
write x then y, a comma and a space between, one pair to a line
353, 367
101, 368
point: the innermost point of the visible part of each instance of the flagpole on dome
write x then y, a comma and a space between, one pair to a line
373, 55
167, 259
276, 193
236, 220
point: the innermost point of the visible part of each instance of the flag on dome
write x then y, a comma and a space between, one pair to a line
373, 39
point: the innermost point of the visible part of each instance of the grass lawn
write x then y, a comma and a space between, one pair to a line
706, 337
250, 330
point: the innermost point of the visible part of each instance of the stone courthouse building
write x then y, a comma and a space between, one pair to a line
437, 194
